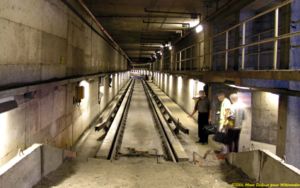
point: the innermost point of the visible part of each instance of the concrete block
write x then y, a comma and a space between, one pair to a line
52, 158
264, 167
23, 171
12, 133
273, 170
248, 162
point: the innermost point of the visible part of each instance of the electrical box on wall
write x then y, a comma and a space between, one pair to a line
79, 94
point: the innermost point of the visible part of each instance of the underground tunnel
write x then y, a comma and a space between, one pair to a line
149, 93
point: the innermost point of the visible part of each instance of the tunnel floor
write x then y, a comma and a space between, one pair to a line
140, 132
139, 172
87, 171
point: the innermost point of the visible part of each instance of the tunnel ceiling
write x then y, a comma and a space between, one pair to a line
141, 26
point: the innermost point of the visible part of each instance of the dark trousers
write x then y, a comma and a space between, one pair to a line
233, 139
202, 121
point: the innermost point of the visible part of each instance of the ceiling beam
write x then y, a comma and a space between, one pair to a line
141, 48
141, 44
183, 24
140, 51
193, 14
140, 55
134, 16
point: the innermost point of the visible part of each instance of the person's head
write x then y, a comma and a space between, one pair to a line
233, 97
201, 93
221, 96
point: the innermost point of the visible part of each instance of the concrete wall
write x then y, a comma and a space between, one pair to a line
26, 169
44, 39
173, 87
23, 171
265, 117
51, 116
292, 149
265, 167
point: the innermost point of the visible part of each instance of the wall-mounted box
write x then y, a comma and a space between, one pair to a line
79, 94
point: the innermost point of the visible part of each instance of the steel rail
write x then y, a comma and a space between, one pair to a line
166, 142
119, 132
121, 118
176, 121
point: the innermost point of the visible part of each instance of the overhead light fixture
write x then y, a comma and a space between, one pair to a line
7, 104
193, 23
199, 28
239, 87
170, 47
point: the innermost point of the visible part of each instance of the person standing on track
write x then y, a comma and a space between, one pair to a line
203, 107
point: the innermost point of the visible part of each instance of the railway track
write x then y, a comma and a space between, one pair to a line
139, 129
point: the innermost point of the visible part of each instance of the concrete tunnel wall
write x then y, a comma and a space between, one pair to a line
44, 43
51, 116
50, 41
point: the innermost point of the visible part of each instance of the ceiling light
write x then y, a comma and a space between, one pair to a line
239, 87
199, 28
170, 47
193, 23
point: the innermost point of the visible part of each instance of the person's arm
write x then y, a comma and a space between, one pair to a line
209, 116
209, 112
227, 114
223, 117
196, 97
194, 111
